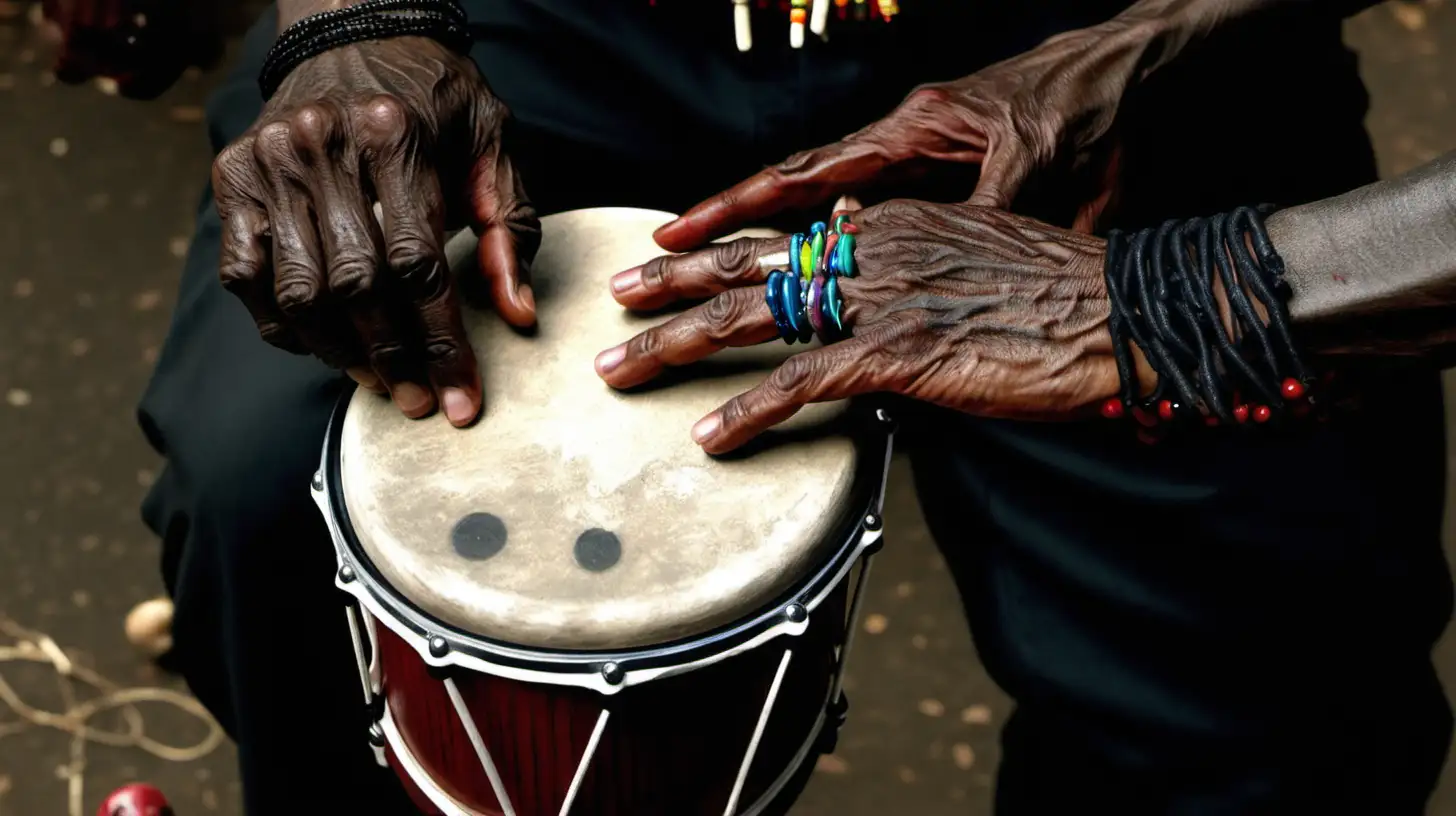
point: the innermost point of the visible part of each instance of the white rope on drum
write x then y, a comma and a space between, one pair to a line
30, 646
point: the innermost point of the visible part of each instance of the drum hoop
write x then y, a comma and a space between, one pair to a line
442, 644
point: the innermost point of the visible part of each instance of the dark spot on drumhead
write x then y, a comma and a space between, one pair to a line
598, 550
478, 536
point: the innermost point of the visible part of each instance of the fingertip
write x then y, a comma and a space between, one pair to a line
460, 408
676, 236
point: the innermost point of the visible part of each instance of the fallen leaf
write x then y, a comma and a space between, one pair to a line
60, 147
17, 397
147, 301
932, 708
875, 624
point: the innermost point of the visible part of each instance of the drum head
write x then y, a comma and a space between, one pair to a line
576, 517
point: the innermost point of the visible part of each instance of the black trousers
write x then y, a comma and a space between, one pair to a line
1214, 626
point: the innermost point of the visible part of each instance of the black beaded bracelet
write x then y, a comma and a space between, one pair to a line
1160, 285
441, 20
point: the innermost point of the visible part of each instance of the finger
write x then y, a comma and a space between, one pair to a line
352, 252
299, 288
830, 373
847, 203
702, 274
805, 180
246, 268
510, 234
1002, 175
413, 210
738, 317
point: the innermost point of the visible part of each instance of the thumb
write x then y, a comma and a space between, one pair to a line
509, 232
1002, 174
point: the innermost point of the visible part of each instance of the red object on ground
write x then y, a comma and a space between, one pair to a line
135, 800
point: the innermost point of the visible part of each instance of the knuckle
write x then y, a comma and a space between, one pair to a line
443, 352
736, 257
647, 345
793, 377
232, 168
390, 359
297, 294
351, 277
314, 129
657, 274
237, 276
383, 122
927, 97
273, 144
722, 315
413, 263
276, 334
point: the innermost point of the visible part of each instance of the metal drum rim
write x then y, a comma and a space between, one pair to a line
363, 578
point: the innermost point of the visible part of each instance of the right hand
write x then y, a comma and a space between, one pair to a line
411, 125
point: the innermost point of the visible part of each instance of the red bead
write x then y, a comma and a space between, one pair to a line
849, 228
1112, 408
135, 800
1211, 421
1262, 413
1292, 389
1241, 413
1145, 418
1165, 410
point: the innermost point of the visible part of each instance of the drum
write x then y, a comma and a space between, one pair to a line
569, 608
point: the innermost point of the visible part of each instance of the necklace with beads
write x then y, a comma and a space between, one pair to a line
813, 16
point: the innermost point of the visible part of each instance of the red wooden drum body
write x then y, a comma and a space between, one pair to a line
677, 668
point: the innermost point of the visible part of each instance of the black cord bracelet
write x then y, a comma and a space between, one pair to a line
1160, 287
441, 20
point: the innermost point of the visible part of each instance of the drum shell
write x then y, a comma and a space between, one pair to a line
670, 746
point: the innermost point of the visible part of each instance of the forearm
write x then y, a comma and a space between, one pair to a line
1374, 271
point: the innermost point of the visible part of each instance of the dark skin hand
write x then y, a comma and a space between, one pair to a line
144, 45
966, 307
1044, 116
412, 126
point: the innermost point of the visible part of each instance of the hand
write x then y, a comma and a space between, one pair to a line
969, 308
412, 126
142, 44
1048, 108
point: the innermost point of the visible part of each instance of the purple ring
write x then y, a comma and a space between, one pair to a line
816, 293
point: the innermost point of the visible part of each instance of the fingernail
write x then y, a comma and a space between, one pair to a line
624, 282
413, 400
367, 380
706, 428
611, 358
458, 408
526, 297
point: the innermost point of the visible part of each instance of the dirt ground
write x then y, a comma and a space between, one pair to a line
97, 196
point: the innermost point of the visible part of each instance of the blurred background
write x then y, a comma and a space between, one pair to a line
96, 201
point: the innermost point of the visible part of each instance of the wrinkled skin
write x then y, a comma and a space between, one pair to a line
144, 45
408, 124
966, 307
1046, 114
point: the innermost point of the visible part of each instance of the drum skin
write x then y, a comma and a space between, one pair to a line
672, 746
574, 519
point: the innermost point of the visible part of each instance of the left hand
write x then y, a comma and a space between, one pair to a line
966, 307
